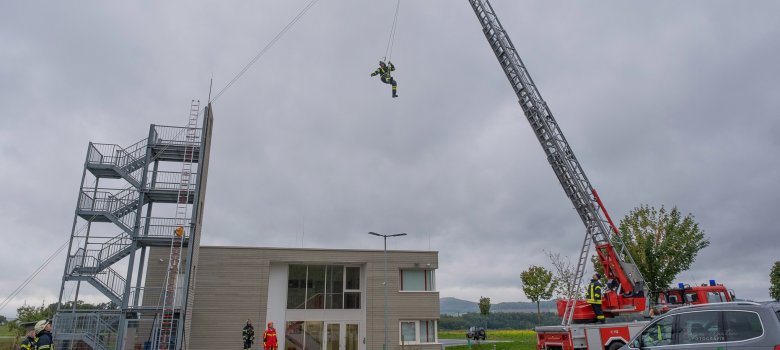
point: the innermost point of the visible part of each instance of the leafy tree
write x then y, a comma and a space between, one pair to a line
538, 285
24, 314
484, 308
3, 320
663, 243
774, 280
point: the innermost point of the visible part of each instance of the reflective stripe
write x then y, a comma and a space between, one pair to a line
594, 294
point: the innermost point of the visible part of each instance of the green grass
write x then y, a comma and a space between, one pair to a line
5, 343
515, 340
4, 330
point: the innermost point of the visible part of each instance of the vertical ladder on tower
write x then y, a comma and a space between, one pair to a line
168, 324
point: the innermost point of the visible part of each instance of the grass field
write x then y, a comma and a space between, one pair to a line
5, 343
515, 340
4, 330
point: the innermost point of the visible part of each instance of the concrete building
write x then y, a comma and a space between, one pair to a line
317, 298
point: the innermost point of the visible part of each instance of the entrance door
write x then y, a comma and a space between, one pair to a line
333, 336
351, 339
341, 336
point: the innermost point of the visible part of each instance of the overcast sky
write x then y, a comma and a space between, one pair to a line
664, 103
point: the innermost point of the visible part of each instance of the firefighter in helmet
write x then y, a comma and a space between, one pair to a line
248, 334
594, 297
269, 338
43, 332
28, 343
384, 74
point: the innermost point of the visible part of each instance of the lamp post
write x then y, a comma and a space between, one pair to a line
384, 346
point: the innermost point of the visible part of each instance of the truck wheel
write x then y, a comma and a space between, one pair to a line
615, 346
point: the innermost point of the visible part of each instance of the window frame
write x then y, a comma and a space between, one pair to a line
417, 333
325, 292
726, 330
428, 289
678, 329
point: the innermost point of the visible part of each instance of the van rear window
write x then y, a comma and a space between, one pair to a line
741, 325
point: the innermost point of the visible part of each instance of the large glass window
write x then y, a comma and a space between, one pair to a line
300, 335
323, 287
742, 325
408, 332
428, 331
296, 287
293, 335
417, 280
315, 287
334, 297
418, 332
353, 278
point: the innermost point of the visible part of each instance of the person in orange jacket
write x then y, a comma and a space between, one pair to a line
269, 338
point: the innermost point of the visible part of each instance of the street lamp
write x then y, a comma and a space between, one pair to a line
384, 346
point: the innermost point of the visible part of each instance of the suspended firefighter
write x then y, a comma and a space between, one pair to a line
384, 74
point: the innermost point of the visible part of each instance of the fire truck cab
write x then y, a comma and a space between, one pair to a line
686, 295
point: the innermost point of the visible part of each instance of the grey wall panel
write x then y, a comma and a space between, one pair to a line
232, 285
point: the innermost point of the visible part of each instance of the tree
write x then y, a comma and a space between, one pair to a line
774, 282
24, 314
3, 320
484, 308
538, 285
564, 276
663, 243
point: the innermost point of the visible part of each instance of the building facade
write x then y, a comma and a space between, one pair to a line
330, 299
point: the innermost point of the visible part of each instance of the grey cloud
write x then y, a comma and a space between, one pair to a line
663, 103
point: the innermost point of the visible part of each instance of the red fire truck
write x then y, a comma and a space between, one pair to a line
625, 291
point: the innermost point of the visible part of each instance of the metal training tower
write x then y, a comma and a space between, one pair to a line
132, 199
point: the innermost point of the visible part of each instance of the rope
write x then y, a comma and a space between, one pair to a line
29, 279
48, 260
393, 29
263, 51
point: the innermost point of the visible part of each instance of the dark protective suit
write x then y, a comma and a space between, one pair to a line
45, 342
384, 73
248, 336
594, 299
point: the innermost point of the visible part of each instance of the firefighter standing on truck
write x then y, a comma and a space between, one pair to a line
269, 338
594, 297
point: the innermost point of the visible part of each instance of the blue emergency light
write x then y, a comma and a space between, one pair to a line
712, 282
681, 285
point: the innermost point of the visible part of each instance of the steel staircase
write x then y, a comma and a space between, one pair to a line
92, 257
86, 267
98, 330
113, 161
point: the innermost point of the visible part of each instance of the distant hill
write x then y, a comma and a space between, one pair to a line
455, 306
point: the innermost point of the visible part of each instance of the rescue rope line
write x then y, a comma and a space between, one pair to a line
29, 279
393, 30
264, 49
48, 260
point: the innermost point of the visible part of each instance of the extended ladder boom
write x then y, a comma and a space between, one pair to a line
564, 163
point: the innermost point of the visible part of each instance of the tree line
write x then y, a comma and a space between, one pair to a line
498, 320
